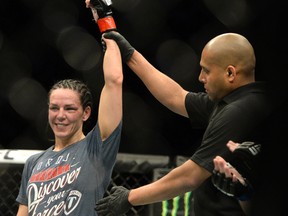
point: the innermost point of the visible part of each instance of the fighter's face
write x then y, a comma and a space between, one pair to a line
65, 114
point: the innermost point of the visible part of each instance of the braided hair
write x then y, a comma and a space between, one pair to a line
75, 85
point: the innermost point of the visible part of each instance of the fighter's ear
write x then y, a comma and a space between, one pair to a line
87, 113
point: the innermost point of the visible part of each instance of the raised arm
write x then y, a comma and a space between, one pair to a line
110, 105
164, 89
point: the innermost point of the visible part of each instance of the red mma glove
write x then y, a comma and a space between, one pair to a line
102, 14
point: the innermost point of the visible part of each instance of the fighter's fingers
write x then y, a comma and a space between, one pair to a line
216, 161
236, 176
227, 169
221, 165
232, 145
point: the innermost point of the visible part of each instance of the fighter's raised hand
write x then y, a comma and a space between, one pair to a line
102, 14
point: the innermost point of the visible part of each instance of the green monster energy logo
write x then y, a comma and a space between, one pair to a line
176, 206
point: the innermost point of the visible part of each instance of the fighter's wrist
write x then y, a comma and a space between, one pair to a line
106, 24
247, 192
